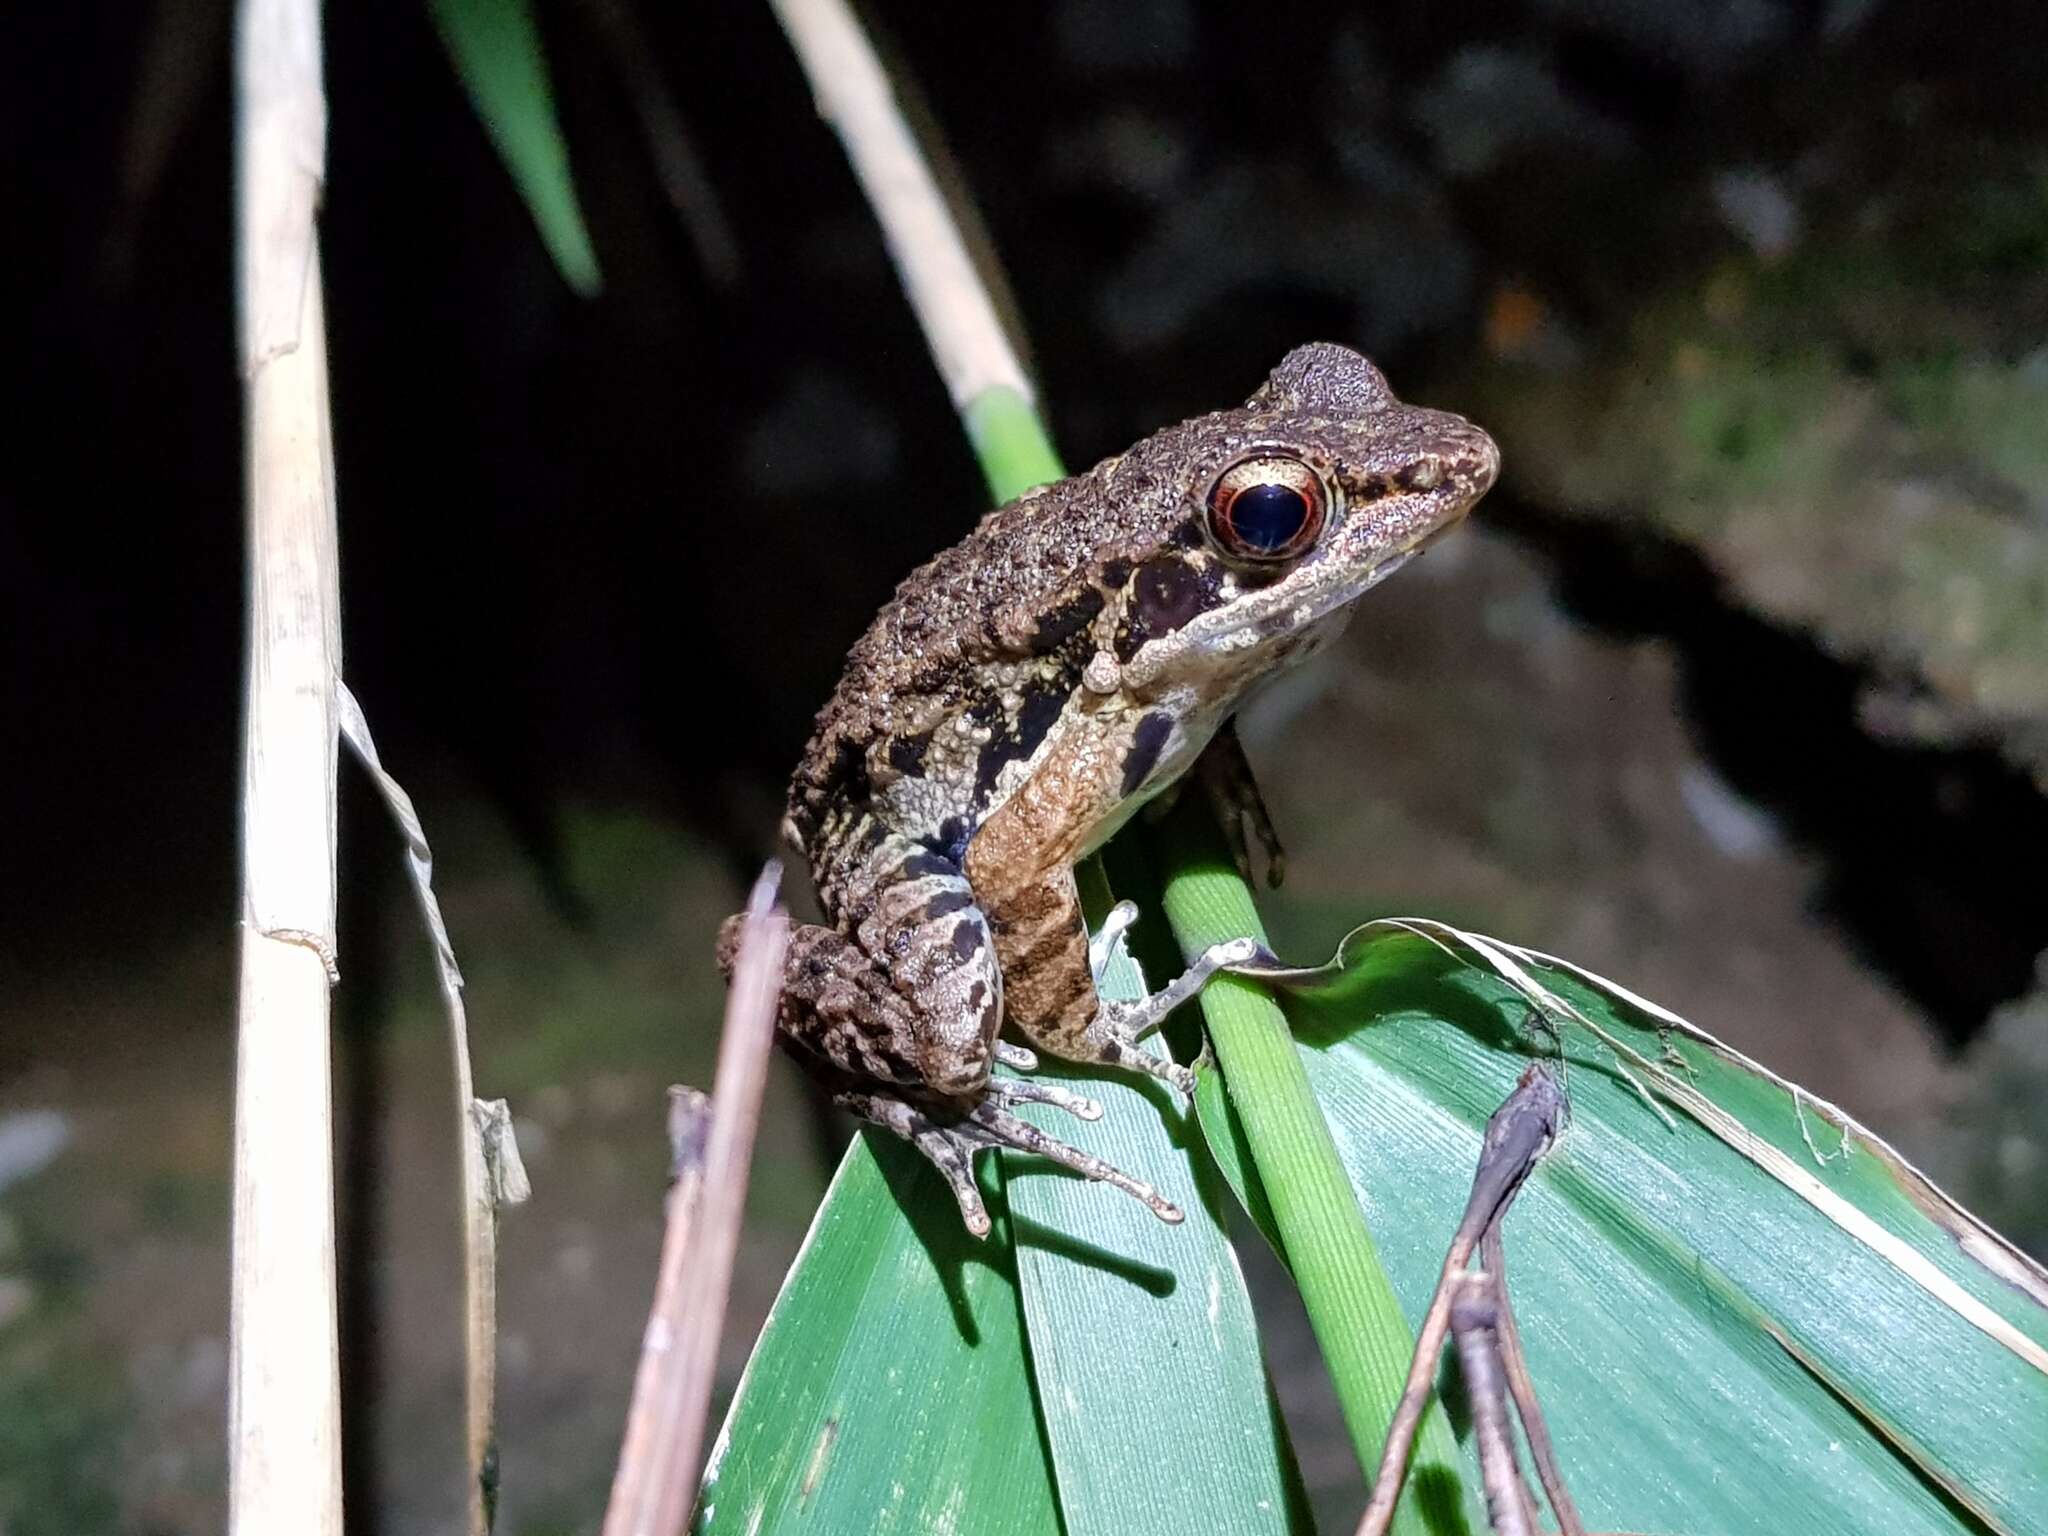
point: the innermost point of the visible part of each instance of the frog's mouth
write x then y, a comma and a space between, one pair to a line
1233, 639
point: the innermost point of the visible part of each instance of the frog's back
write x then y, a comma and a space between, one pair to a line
1023, 584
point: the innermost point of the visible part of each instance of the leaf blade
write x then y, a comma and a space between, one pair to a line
1658, 1267
496, 49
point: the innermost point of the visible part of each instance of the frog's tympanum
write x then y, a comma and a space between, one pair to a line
1026, 692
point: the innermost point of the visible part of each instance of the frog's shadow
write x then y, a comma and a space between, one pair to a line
920, 1194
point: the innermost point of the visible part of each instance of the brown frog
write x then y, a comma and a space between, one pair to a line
1026, 692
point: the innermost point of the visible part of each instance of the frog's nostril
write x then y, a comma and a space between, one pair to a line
1425, 474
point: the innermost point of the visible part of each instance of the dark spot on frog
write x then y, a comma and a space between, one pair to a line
967, 942
1036, 716
983, 1003
1147, 742
950, 841
945, 904
906, 753
1165, 594
923, 863
1115, 573
849, 772
1066, 621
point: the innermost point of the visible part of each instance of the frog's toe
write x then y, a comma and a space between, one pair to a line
1023, 1136
1008, 1090
949, 1149
1102, 946
1015, 1057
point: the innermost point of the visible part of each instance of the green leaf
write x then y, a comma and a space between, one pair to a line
1307, 1207
495, 46
895, 1387
890, 1389
1743, 1312
1144, 1346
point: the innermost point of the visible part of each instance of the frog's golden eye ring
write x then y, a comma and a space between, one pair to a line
1267, 509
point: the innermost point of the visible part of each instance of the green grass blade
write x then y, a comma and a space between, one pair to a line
1011, 443
495, 46
1732, 1326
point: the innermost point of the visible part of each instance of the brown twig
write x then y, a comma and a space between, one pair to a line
656, 1481
1518, 1134
1475, 1327
492, 1175
1493, 1258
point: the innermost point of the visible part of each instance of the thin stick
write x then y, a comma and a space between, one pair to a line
967, 339
656, 1481
284, 1396
1518, 1133
492, 1174
1521, 1385
1475, 1325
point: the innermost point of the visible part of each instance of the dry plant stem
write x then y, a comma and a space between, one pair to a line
677, 165
1518, 1133
643, 1470
1475, 1324
1493, 1258
854, 95
491, 1171
659, 1462
284, 1398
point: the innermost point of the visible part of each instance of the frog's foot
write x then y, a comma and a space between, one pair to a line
1119, 1026
951, 1145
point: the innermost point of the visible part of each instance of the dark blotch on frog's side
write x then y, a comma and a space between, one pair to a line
1147, 742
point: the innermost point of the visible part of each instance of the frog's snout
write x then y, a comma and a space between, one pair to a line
1472, 458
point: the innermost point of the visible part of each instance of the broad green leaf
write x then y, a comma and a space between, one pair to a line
890, 1390
1743, 1312
894, 1386
495, 45
1145, 1352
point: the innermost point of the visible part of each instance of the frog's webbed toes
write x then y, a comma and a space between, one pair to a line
1015, 1057
1007, 1130
950, 1146
1009, 1090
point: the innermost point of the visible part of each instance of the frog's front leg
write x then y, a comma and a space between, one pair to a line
1226, 777
1020, 865
1053, 975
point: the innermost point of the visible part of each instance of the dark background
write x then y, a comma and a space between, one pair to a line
1738, 690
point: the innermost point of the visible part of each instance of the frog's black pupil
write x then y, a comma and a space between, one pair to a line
1266, 517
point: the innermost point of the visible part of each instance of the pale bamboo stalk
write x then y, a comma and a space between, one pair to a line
284, 1405
966, 336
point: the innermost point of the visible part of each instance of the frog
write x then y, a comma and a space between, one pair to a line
1027, 692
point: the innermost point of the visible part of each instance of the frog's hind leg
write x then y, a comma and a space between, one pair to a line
950, 1144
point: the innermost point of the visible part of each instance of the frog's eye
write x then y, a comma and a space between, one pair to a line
1267, 509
